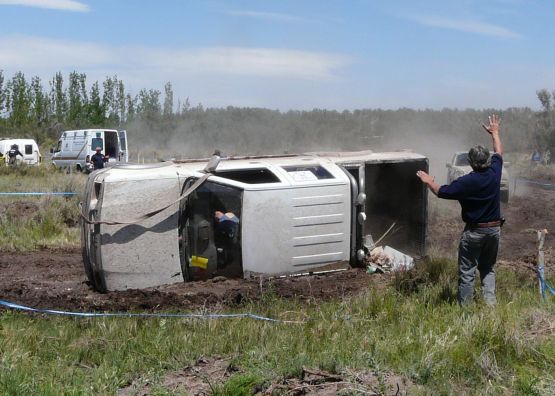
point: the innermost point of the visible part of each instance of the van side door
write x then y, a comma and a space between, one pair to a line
123, 151
209, 247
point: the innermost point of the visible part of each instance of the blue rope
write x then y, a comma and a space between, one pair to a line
14, 306
38, 193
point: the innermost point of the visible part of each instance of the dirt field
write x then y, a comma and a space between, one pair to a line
56, 279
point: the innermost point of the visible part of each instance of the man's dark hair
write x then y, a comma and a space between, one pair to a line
478, 157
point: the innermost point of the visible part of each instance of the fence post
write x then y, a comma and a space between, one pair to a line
541, 260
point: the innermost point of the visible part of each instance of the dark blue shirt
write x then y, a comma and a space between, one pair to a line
98, 161
478, 193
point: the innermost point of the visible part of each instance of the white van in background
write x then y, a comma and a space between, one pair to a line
27, 147
75, 148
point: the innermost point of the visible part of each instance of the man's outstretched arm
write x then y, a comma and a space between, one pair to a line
430, 181
493, 130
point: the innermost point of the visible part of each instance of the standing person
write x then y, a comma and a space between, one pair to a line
98, 159
536, 157
478, 194
13, 153
547, 157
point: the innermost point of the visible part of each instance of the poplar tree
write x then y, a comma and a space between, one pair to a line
58, 97
77, 99
20, 103
168, 100
40, 103
95, 113
2, 93
120, 101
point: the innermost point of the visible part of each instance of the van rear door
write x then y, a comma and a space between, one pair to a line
123, 152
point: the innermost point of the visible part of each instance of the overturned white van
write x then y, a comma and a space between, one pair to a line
295, 213
75, 148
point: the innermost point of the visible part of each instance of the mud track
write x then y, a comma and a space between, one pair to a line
56, 278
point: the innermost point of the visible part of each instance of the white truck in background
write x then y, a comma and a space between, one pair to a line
459, 166
27, 147
76, 147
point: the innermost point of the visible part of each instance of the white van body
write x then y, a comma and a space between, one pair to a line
296, 213
27, 147
75, 148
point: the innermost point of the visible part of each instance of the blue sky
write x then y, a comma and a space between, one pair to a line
294, 54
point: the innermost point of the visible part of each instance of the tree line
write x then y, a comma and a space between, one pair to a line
160, 125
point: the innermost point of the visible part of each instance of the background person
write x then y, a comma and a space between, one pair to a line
478, 194
225, 237
98, 159
13, 153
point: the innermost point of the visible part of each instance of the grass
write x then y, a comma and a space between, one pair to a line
28, 222
414, 328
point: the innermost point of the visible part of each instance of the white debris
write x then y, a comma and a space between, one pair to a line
389, 259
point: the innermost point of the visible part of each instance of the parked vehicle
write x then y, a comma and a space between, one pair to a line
293, 214
75, 148
27, 147
459, 166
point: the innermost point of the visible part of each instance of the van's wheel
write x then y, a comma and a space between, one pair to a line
78, 168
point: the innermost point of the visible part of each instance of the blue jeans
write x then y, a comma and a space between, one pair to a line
478, 250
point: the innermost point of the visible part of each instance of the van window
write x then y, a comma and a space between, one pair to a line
122, 140
96, 142
28, 149
249, 176
59, 148
307, 173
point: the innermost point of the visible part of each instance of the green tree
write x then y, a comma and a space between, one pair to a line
2, 93
77, 100
58, 97
545, 131
168, 100
20, 100
120, 101
96, 111
40, 103
148, 106
131, 107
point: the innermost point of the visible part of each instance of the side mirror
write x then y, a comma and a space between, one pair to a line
51, 150
448, 165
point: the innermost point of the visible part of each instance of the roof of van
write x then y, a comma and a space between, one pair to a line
91, 129
17, 140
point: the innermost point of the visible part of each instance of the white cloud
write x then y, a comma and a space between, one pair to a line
271, 16
470, 26
32, 53
63, 5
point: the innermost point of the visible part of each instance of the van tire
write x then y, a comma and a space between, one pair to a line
78, 168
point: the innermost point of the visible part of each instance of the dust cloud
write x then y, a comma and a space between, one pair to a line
244, 131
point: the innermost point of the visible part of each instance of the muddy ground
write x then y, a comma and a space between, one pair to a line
56, 278
201, 377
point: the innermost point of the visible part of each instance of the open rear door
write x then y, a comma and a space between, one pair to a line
123, 151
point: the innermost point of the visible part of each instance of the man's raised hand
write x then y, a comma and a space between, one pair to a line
493, 126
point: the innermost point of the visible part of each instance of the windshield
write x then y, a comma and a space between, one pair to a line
462, 160
97, 142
